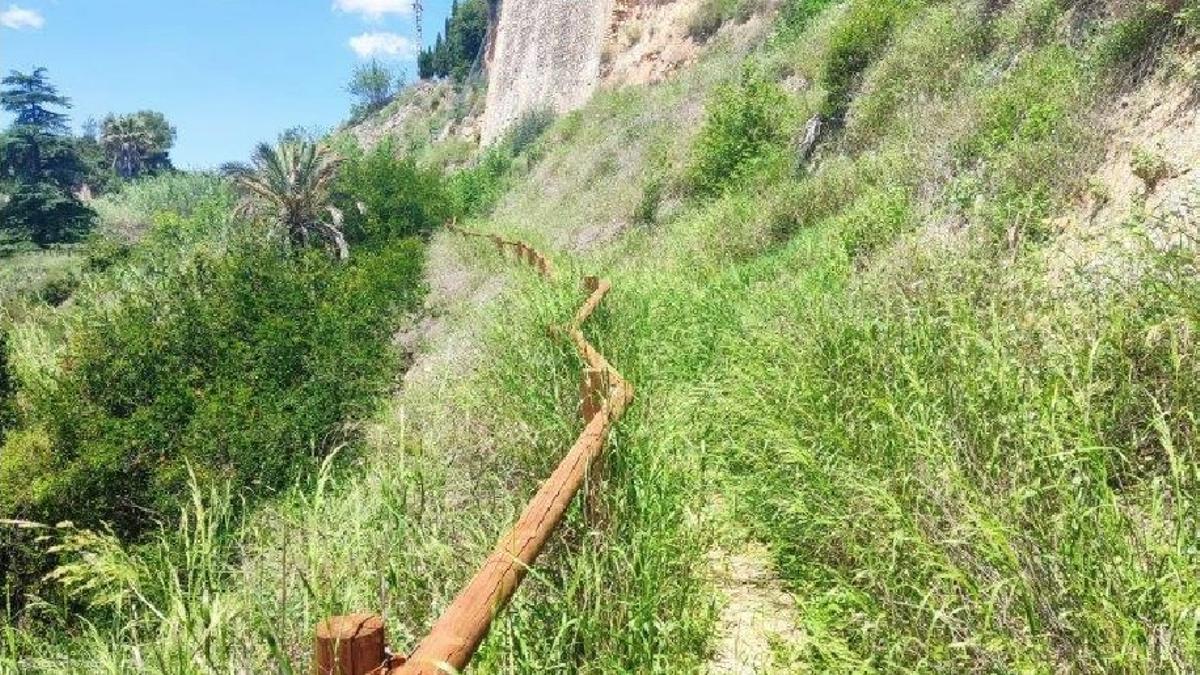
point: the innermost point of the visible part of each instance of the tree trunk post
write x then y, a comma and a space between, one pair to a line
349, 645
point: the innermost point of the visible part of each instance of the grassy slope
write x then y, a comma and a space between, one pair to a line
956, 466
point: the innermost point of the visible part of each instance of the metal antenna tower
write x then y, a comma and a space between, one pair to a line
418, 8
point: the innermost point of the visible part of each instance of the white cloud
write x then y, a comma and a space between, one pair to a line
375, 9
369, 45
19, 18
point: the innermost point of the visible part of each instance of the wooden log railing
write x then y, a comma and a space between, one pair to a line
354, 645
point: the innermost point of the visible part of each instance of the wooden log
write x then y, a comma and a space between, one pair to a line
593, 390
349, 645
457, 634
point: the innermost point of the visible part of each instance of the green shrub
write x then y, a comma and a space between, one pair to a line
929, 60
652, 195
1028, 145
240, 365
398, 198
130, 212
795, 14
857, 39
746, 124
1136, 38
527, 130
475, 190
1150, 167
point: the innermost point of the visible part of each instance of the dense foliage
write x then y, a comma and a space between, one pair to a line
373, 85
137, 144
39, 164
881, 389
746, 123
384, 196
459, 46
205, 352
288, 188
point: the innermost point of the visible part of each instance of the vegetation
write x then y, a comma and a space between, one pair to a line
385, 196
747, 125
137, 144
459, 46
197, 353
374, 86
39, 164
289, 187
962, 450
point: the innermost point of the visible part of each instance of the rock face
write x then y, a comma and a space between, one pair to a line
547, 54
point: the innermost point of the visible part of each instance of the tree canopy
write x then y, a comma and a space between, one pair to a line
459, 45
137, 143
40, 163
374, 85
30, 97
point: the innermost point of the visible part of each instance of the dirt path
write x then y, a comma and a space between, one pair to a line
758, 613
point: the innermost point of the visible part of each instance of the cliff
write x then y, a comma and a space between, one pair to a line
546, 53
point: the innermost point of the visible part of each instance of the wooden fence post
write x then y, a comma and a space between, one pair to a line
594, 388
593, 391
349, 645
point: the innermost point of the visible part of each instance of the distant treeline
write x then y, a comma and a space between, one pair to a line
458, 46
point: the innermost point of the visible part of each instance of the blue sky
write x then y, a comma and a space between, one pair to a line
227, 73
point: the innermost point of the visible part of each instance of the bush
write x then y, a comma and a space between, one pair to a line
1150, 167
1137, 38
855, 42
129, 213
795, 14
399, 199
747, 120
527, 130
1028, 146
240, 365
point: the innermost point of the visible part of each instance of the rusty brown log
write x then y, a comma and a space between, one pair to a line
349, 645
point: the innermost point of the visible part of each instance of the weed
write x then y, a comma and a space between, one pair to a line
1149, 167
746, 123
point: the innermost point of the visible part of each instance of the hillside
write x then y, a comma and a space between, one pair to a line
908, 293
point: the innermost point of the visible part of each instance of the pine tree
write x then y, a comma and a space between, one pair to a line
43, 162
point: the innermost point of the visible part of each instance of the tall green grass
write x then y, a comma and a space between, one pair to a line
958, 462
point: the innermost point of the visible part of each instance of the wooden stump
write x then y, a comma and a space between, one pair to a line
349, 645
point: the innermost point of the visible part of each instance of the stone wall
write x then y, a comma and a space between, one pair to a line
546, 54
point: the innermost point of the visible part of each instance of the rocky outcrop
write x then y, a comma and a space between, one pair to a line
546, 54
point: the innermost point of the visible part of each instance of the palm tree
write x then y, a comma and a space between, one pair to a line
290, 186
137, 142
